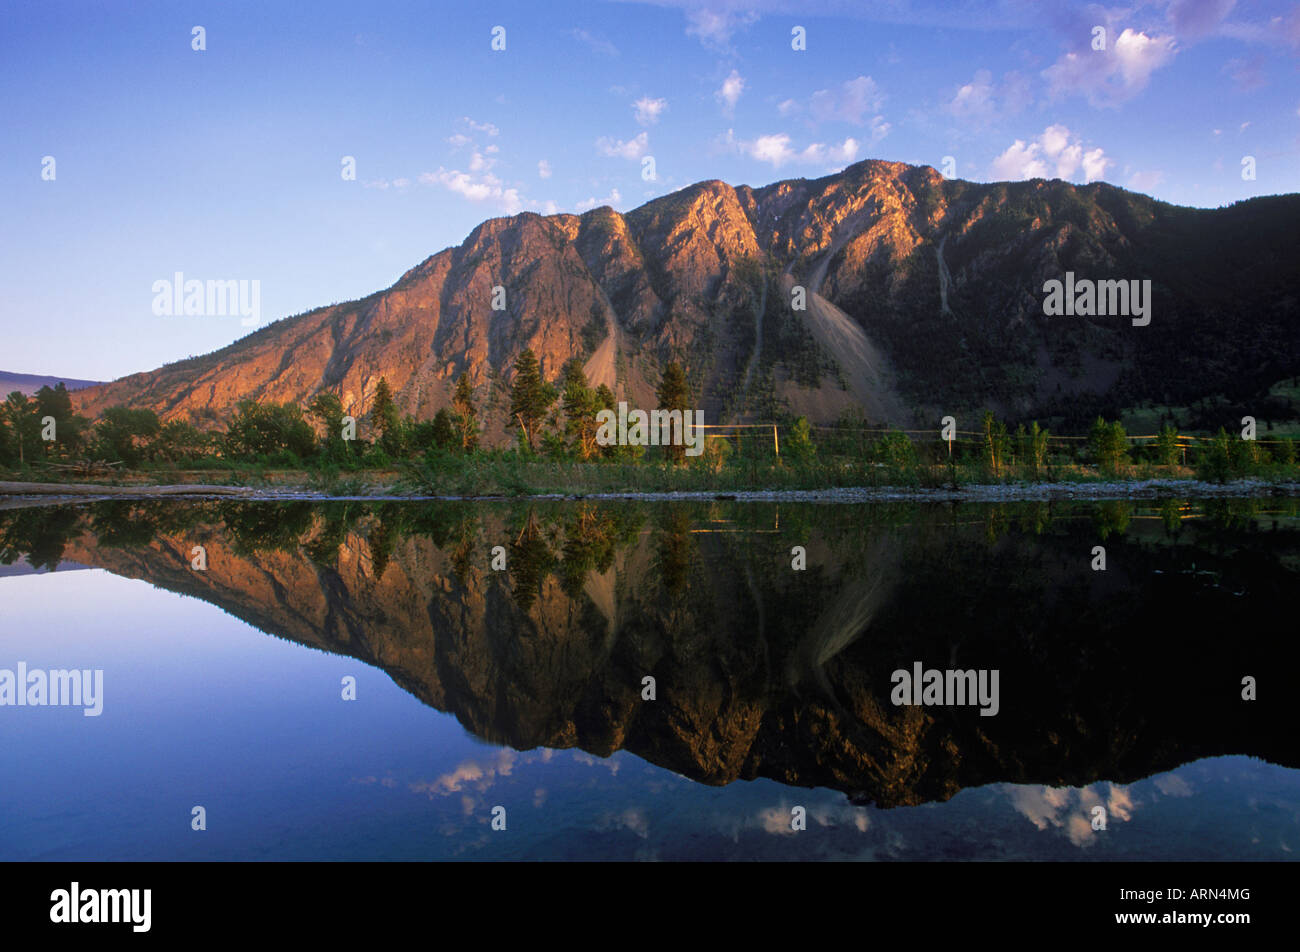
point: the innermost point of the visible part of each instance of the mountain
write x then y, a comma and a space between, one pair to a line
30, 383
923, 296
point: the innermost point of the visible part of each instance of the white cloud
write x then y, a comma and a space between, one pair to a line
1019, 162
475, 774
617, 148
648, 110
1115, 75
480, 188
613, 198
776, 150
728, 93
460, 139
773, 148
543, 169
1094, 165
478, 163
788, 108
1057, 153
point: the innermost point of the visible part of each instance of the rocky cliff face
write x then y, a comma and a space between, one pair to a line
923, 294
760, 671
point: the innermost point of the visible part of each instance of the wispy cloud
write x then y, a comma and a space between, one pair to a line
632, 148
612, 199
597, 44
484, 127
854, 101
647, 110
715, 25
1246, 74
730, 91
983, 100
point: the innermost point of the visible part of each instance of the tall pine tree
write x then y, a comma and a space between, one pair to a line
384, 417
674, 393
530, 397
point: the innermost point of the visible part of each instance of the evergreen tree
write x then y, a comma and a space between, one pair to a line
581, 404
674, 393
445, 434
530, 397
384, 417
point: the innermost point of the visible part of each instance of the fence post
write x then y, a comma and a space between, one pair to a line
776, 443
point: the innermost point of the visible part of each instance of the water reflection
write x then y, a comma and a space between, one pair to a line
762, 669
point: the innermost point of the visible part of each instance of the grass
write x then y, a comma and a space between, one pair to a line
509, 474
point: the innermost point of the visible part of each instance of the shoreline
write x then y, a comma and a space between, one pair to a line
20, 495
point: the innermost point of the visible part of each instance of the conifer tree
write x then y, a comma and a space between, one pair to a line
530, 397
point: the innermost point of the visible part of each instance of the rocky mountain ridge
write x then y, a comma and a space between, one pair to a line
921, 295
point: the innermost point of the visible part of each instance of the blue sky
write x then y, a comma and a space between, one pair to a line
226, 163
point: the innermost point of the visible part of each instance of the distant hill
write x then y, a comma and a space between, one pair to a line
30, 383
884, 288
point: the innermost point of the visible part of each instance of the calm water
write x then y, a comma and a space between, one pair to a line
522, 688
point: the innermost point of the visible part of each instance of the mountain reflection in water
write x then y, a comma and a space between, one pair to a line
761, 670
